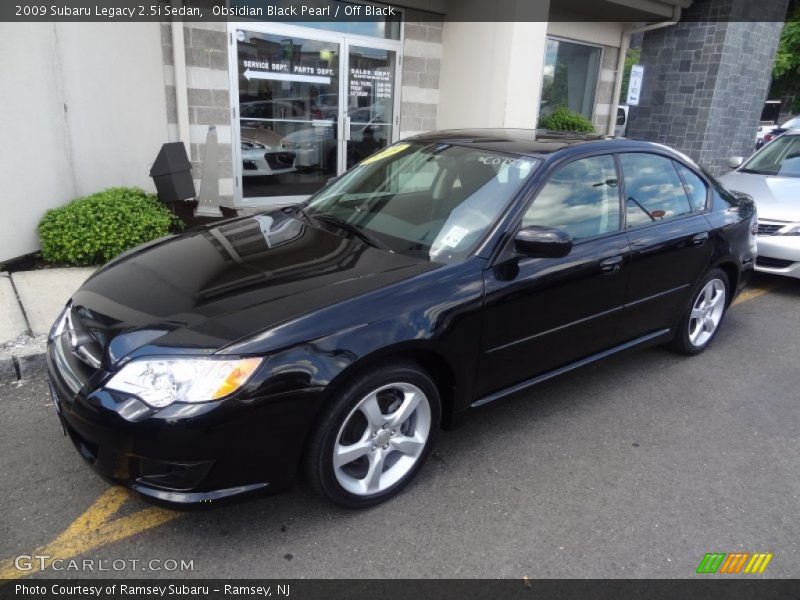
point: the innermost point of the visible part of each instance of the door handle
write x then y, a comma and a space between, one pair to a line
346, 128
611, 265
700, 239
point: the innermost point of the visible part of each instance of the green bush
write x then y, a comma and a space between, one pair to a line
94, 229
562, 119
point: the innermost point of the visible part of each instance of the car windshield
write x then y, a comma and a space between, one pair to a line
780, 157
792, 123
431, 201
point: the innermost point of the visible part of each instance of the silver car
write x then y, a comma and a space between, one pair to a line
772, 177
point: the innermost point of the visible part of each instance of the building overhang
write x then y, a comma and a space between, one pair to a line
626, 11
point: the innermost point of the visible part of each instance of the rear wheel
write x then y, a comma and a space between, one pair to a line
375, 436
702, 318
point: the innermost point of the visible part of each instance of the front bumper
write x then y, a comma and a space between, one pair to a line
779, 254
182, 453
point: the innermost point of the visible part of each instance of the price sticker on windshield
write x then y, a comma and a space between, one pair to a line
453, 237
390, 151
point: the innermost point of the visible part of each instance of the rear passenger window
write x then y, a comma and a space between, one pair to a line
653, 190
695, 187
581, 199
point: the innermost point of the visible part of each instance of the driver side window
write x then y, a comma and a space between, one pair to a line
582, 199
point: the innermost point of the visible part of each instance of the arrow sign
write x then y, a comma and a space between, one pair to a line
250, 74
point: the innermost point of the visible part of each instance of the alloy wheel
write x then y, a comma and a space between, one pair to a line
382, 438
707, 312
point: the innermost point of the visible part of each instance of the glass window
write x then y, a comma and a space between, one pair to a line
779, 157
288, 108
581, 199
570, 77
695, 187
654, 190
433, 201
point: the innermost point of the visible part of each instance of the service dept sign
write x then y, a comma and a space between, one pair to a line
635, 85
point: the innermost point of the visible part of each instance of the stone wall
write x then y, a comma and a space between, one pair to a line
206, 47
422, 59
605, 89
706, 79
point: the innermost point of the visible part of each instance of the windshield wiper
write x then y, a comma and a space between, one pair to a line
299, 208
357, 231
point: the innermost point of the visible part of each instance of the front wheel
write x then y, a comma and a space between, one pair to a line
702, 318
375, 436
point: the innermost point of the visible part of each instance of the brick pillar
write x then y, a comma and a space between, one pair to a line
706, 79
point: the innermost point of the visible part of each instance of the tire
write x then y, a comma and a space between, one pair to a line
398, 447
701, 321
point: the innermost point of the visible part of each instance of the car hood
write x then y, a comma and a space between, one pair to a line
777, 198
203, 290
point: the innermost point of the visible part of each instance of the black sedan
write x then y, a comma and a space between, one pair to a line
335, 338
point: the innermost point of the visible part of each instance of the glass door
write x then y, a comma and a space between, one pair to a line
288, 113
370, 101
311, 104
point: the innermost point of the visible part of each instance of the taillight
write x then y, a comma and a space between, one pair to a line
768, 137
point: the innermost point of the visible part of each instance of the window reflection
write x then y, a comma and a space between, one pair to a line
654, 190
695, 187
581, 199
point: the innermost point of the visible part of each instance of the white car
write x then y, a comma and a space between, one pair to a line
259, 160
772, 177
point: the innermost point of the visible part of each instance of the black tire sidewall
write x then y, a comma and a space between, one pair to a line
681, 342
320, 456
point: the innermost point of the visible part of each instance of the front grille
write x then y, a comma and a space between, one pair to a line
280, 160
769, 228
773, 263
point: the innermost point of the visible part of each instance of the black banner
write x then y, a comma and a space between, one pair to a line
305, 11
480, 589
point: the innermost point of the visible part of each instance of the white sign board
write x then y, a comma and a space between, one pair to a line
635, 85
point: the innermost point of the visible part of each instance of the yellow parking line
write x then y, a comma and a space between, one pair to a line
92, 530
754, 292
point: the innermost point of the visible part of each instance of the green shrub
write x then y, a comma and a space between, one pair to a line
94, 229
562, 119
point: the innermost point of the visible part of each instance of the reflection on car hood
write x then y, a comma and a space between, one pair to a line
206, 289
777, 198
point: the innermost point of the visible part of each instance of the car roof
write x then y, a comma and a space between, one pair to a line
525, 141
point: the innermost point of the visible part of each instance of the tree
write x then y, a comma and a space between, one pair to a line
786, 70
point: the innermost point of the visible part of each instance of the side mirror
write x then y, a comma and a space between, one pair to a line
542, 242
734, 162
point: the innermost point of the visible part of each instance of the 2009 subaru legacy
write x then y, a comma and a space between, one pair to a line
336, 337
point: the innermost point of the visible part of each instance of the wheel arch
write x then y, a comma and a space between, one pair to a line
427, 358
732, 271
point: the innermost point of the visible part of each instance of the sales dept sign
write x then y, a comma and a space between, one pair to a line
635, 85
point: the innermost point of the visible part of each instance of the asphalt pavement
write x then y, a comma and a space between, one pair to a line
636, 467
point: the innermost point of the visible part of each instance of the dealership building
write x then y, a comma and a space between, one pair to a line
272, 110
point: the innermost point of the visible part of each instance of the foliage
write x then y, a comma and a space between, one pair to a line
562, 119
631, 58
96, 228
786, 69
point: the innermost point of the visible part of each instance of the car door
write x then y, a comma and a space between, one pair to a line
544, 313
669, 237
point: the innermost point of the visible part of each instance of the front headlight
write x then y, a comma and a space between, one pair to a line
160, 382
790, 230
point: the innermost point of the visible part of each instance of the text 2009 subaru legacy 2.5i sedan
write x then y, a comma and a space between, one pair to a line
336, 337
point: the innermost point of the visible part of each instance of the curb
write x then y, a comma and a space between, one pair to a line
25, 362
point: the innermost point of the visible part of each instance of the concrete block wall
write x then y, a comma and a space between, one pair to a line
605, 89
706, 79
422, 61
206, 47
